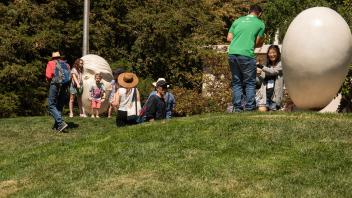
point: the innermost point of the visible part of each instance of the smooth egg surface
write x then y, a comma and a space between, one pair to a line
95, 64
316, 53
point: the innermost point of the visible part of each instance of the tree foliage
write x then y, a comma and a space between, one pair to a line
154, 38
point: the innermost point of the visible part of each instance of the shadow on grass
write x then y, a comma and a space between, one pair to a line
72, 125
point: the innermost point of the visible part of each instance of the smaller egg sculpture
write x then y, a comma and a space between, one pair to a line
95, 64
316, 53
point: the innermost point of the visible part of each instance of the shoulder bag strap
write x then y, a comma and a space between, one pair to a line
135, 98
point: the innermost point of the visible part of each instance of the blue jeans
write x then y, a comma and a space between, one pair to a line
56, 100
270, 104
168, 114
243, 71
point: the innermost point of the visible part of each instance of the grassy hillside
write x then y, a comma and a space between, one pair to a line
221, 155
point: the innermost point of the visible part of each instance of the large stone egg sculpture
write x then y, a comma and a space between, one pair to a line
316, 53
95, 64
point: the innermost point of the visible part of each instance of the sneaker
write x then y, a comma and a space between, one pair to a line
63, 126
54, 127
92, 116
97, 116
71, 115
83, 115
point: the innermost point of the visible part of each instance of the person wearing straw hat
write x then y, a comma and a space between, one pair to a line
127, 99
57, 92
168, 97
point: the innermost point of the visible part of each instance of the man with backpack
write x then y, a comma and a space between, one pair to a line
58, 75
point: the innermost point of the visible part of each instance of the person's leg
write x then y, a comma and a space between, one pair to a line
72, 99
237, 91
168, 114
97, 112
82, 113
52, 105
55, 102
269, 102
62, 100
109, 111
93, 106
248, 66
98, 105
269, 94
121, 118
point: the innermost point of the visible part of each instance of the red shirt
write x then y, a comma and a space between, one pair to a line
50, 67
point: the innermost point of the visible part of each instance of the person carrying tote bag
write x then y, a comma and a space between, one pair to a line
127, 99
134, 108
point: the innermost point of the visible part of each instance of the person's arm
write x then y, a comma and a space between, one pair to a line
260, 37
230, 34
138, 96
49, 72
116, 101
68, 65
173, 100
91, 92
103, 93
110, 86
273, 71
259, 41
229, 37
74, 77
151, 108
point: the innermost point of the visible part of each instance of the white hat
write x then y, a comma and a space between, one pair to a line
159, 79
56, 55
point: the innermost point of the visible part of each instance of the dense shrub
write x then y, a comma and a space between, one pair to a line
9, 103
215, 94
346, 92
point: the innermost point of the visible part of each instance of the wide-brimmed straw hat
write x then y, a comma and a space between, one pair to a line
127, 80
159, 79
56, 55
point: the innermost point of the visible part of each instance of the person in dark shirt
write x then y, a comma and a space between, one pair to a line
156, 105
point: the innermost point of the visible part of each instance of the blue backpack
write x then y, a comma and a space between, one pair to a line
62, 73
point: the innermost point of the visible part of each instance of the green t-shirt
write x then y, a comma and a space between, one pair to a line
245, 31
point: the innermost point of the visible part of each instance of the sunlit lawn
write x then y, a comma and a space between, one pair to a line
219, 155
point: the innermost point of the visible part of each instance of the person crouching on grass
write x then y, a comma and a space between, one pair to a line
156, 105
97, 95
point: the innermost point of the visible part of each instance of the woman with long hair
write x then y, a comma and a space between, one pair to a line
270, 75
76, 87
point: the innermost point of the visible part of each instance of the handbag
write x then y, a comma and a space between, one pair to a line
132, 111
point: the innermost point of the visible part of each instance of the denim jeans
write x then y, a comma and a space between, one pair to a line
270, 104
243, 71
56, 100
168, 114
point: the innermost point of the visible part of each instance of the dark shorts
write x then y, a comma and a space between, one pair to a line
122, 120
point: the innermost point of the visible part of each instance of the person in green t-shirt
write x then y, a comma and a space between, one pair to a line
245, 34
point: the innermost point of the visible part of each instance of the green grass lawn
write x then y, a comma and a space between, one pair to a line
219, 155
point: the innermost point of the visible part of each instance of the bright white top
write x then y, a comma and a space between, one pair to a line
125, 100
